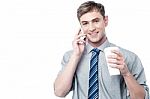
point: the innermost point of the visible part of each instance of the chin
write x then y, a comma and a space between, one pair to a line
94, 41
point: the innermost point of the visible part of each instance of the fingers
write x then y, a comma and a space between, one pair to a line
117, 52
80, 41
79, 32
115, 56
116, 60
120, 67
116, 63
80, 38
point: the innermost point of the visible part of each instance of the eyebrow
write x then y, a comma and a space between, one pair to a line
91, 20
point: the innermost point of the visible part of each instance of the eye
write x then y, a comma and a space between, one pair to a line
96, 20
84, 23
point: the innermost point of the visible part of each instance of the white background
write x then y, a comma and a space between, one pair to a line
34, 34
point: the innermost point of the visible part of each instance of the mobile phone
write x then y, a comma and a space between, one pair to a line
82, 37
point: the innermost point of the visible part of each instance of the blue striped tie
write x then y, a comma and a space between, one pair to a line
93, 92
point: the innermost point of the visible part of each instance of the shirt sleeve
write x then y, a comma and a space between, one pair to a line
64, 61
139, 74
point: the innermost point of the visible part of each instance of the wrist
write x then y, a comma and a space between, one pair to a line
128, 74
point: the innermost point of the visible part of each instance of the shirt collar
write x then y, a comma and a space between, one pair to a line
88, 47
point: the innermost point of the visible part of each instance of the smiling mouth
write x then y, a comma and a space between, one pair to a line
93, 33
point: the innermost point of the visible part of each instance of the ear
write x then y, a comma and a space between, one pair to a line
106, 20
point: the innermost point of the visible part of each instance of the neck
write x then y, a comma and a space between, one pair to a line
97, 44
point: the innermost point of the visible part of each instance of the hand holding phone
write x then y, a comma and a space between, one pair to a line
83, 37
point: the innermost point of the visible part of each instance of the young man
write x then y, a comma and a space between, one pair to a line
79, 63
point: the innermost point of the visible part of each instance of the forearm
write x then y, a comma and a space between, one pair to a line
136, 90
64, 80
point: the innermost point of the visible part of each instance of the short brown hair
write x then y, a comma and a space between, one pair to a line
90, 6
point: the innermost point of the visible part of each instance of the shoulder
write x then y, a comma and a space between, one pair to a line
132, 60
67, 54
129, 56
66, 57
126, 53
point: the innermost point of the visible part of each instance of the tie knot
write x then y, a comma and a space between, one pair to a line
96, 50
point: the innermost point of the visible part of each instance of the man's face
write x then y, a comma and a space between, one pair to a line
93, 24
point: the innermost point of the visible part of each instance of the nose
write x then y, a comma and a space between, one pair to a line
92, 27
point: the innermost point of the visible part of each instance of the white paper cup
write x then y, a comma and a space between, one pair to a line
107, 51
